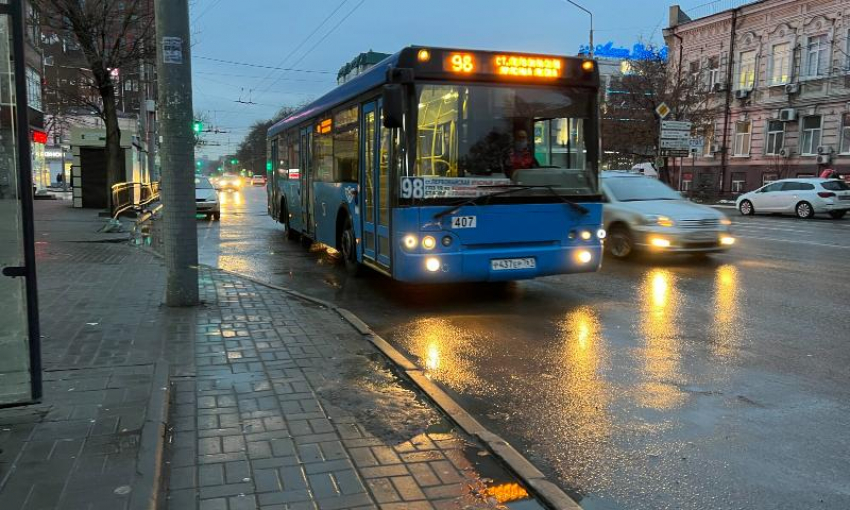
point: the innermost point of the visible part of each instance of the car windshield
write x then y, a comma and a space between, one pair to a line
202, 183
474, 136
836, 186
638, 189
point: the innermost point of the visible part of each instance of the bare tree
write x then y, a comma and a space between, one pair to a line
111, 35
630, 127
252, 150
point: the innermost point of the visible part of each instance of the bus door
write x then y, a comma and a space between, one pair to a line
306, 182
375, 189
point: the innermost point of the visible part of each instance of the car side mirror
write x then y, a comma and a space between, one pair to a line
393, 106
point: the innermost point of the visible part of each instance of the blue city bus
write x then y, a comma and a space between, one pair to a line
447, 165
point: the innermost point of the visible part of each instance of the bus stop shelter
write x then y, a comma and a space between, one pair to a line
20, 360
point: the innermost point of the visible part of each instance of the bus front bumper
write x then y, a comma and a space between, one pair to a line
496, 265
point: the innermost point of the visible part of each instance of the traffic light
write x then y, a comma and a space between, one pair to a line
199, 163
198, 127
234, 161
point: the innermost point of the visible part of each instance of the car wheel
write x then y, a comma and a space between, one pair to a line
746, 208
837, 215
805, 210
620, 242
348, 248
216, 216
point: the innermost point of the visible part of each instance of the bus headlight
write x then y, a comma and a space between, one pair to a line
601, 233
410, 241
429, 243
585, 235
584, 256
432, 264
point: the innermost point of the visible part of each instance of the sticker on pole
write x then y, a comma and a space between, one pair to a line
172, 50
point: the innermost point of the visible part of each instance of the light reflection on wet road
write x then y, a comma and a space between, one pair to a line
654, 384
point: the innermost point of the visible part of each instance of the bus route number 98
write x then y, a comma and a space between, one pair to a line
412, 187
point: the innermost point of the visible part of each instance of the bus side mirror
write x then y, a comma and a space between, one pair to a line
393, 106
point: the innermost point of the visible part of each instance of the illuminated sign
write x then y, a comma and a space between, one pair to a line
324, 127
463, 63
294, 174
39, 136
538, 67
637, 52
53, 154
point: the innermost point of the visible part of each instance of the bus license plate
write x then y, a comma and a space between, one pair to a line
511, 264
464, 222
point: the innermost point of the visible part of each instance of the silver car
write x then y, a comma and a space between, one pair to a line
206, 199
644, 214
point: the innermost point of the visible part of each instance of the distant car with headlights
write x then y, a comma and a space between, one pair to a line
229, 183
803, 197
206, 199
258, 180
644, 214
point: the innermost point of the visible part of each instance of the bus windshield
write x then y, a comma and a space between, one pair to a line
472, 139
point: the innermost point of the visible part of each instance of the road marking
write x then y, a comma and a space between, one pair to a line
790, 230
797, 241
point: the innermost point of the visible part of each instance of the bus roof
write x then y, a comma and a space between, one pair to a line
514, 68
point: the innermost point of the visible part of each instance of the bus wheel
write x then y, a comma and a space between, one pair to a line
290, 234
348, 248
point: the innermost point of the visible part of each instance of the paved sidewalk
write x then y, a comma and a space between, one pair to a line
276, 403
84, 445
291, 408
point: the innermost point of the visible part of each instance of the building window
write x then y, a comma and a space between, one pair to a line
775, 137
34, 89
746, 70
816, 56
810, 137
845, 133
742, 138
739, 181
768, 178
780, 64
713, 72
708, 139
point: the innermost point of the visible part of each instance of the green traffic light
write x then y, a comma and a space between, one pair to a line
197, 126
234, 161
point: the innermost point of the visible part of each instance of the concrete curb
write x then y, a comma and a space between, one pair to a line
549, 493
145, 491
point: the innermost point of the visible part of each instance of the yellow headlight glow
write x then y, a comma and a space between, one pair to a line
410, 241
429, 242
659, 242
727, 240
432, 264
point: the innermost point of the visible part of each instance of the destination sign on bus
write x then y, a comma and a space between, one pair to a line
513, 65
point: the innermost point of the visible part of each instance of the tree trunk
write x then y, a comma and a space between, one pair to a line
114, 155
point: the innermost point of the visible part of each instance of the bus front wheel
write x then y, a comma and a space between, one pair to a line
348, 248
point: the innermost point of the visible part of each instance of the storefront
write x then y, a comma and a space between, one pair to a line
20, 360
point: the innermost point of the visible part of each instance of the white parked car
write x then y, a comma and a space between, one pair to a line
803, 197
644, 214
206, 199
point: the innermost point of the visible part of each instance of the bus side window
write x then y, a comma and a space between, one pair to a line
346, 145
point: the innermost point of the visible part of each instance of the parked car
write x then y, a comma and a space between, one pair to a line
803, 197
258, 180
644, 214
206, 199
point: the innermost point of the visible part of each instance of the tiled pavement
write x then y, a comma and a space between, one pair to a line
275, 403
290, 408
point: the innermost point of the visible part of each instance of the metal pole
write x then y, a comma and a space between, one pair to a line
180, 235
591, 22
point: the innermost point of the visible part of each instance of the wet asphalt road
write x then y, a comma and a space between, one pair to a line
654, 384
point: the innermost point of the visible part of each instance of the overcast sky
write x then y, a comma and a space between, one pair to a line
322, 35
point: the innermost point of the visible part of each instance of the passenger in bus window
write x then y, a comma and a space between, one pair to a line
521, 155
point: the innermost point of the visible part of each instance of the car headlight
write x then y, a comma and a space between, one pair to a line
661, 221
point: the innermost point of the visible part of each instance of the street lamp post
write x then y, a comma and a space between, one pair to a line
591, 22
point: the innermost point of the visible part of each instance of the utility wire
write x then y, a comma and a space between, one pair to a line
246, 64
303, 42
320, 41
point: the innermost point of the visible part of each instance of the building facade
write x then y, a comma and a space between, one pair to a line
778, 76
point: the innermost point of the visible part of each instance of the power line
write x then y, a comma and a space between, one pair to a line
304, 41
260, 66
320, 41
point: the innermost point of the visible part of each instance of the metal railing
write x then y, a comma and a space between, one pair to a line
124, 196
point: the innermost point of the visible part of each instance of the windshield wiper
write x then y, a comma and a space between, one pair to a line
512, 188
